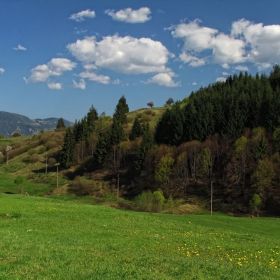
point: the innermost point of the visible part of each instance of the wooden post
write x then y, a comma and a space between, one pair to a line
118, 186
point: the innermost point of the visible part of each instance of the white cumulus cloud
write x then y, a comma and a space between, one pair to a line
246, 42
94, 77
192, 60
20, 48
80, 16
130, 16
81, 84
122, 54
163, 79
54, 86
53, 68
2, 70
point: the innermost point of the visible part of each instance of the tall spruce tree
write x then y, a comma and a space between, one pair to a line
102, 149
136, 130
145, 146
92, 116
60, 123
117, 133
68, 148
121, 111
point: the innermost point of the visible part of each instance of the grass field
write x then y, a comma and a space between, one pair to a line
43, 238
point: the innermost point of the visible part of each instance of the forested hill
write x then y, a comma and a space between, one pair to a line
226, 136
226, 108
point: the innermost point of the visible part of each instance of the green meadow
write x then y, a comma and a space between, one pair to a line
45, 238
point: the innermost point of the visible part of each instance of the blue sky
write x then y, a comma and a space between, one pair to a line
57, 58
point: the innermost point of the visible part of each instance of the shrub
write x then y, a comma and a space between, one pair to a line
41, 149
16, 134
35, 158
32, 151
51, 144
146, 118
144, 201
51, 161
81, 186
158, 200
149, 112
54, 152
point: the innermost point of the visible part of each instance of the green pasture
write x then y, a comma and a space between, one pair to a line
43, 238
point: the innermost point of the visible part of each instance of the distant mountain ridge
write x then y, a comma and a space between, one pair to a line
11, 122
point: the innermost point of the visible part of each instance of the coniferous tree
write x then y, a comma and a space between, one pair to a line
136, 130
261, 151
60, 123
68, 148
145, 146
102, 149
92, 116
121, 111
117, 132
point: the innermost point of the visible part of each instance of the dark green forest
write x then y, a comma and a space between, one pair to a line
224, 137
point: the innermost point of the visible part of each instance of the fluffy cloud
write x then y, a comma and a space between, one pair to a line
122, 54
81, 84
96, 78
20, 48
225, 49
247, 42
2, 70
54, 86
196, 37
192, 60
80, 16
163, 79
53, 68
263, 41
130, 16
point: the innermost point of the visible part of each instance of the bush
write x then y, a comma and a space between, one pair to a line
81, 186
32, 151
146, 118
35, 158
16, 134
41, 149
149, 112
51, 144
150, 202
51, 161
144, 201
54, 152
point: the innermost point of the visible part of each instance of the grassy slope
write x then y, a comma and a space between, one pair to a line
49, 239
